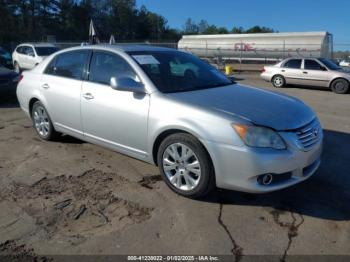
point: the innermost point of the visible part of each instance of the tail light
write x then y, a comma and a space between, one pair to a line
263, 70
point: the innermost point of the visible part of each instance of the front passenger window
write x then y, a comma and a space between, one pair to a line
312, 65
104, 66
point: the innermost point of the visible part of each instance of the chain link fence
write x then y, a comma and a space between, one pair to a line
243, 56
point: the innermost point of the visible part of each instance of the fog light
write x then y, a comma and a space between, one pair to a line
265, 180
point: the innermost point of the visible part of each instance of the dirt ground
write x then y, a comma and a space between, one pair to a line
73, 198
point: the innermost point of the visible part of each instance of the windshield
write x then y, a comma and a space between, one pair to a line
173, 71
329, 64
45, 51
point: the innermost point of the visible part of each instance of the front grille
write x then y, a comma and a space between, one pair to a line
309, 135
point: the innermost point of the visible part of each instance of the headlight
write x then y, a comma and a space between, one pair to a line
258, 136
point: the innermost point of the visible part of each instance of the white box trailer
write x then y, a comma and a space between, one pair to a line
262, 46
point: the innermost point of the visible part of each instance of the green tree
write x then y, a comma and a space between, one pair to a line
237, 30
203, 26
258, 29
190, 27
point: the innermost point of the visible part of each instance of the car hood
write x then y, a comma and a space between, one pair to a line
262, 107
343, 70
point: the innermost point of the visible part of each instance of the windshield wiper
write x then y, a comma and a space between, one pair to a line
212, 85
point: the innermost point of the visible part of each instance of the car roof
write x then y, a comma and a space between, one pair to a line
121, 47
38, 44
136, 47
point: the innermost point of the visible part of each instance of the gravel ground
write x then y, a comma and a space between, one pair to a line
70, 197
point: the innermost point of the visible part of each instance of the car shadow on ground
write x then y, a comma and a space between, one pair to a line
318, 88
8, 98
8, 102
326, 195
66, 139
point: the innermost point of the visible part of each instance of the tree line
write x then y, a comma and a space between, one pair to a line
68, 20
203, 27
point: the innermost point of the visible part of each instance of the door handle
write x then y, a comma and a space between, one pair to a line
88, 96
283, 70
45, 86
305, 72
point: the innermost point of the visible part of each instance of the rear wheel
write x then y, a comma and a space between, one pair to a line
185, 165
17, 68
42, 122
340, 86
278, 81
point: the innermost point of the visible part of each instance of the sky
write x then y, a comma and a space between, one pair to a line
281, 15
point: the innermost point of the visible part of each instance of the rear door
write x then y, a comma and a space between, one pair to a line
292, 72
61, 86
30, 57
22, 57
315, 74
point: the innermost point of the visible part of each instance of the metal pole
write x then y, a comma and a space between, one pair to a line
206, 48
240, 59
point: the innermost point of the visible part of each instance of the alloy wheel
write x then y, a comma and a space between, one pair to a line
41, 121
17, 69
278, 81
340, 86
181, 166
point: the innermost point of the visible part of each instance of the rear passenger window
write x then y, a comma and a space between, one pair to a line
50, 69
105, 65
70, 64
293, 63
19, 50
312, 65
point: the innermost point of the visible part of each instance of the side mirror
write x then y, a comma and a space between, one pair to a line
127, 84
323, 68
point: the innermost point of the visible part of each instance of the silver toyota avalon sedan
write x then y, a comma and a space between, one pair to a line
173, 110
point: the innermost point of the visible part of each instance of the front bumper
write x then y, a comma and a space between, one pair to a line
238, 168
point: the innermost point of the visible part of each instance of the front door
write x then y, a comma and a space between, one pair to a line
315, 74
116, 119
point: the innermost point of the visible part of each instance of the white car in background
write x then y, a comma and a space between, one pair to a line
27, 56
344, 63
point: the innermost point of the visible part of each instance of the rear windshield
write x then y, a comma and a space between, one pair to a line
45, 51
174, 71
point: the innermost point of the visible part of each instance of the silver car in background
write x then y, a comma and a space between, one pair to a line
320, 72
171, 109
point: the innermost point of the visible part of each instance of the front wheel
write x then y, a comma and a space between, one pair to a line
185, 165
42, 122
340, 86
278, 81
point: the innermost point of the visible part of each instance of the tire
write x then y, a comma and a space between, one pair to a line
17, 68
278, 81
42, 122
340, 86
190, 176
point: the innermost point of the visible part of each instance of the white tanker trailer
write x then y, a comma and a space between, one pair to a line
262, 46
